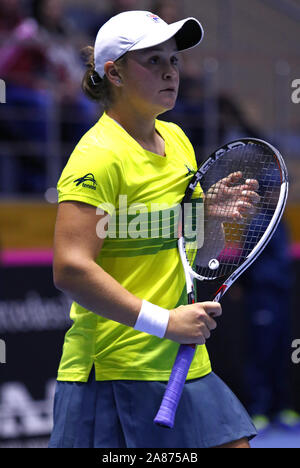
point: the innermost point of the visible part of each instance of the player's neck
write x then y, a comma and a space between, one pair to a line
141, 127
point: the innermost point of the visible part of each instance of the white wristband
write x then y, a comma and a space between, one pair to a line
152, 320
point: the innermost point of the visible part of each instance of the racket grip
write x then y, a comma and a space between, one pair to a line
167, 411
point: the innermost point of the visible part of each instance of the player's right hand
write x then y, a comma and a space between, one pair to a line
192, 324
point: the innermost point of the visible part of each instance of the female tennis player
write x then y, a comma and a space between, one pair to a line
123, 273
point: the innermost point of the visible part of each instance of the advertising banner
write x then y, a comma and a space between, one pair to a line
33, 321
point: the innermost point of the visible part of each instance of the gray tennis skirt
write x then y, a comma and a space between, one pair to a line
119, 414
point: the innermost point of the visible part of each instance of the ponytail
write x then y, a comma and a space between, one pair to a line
95, 88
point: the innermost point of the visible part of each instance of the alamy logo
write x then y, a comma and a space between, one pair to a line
87, 178
296, 353
155, 221
2, 92
296, 93
2, 352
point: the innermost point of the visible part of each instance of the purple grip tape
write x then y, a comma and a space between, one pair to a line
166, 413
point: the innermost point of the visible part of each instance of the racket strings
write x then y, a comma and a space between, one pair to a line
253, 162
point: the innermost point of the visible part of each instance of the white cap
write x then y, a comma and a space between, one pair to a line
135, 30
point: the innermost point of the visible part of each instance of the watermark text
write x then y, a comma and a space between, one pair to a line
296, 92
2, 352
2, 92
296, 353
139, 221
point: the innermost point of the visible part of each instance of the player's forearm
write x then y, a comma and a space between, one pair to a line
95, 290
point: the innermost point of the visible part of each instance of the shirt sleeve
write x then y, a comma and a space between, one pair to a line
92, 175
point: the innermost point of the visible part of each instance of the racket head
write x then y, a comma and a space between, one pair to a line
244, 237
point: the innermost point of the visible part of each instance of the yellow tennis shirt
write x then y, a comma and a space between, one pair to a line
111, 171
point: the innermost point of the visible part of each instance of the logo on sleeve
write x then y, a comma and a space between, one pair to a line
87, 178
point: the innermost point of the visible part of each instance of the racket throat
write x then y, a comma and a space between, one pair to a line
191, 297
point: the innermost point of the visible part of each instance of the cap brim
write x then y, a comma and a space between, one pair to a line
188, 33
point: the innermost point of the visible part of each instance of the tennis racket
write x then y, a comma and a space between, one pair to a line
245, 189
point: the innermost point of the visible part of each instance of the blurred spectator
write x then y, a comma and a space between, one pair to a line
65, 69
115, 7
233, 121
11, 15
89, 20
169, 10
43, 71
20, 53
21, 57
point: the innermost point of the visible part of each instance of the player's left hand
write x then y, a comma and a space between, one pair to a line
229, 201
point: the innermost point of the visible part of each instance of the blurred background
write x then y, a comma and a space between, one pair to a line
239, 82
